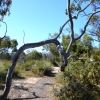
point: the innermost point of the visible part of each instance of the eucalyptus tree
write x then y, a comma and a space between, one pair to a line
51, 48
73, 11
7, 44
4, 10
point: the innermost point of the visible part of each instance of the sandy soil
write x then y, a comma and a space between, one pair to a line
33, 88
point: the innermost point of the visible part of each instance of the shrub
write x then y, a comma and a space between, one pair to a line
42, 68
2, 76
80, 82
4, 66
29, 68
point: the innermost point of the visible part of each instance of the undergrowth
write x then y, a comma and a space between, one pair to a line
80, 81
29, 68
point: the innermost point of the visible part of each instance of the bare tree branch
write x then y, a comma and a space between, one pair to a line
23, 36
5, 31
83, 31
61, 28
15, 58
82, 10
67, 53
74, 17
75, 57
71, 20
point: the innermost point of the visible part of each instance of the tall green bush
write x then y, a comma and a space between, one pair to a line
81, 81
42, 68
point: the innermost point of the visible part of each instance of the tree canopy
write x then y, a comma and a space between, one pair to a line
4, 8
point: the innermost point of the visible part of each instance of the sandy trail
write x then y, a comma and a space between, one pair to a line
34, 88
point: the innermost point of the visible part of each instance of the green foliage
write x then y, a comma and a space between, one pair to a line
87, 40
17, 71
27, 65
96, 54
14, 45
22, 59
75, 7
55, 57
65, 41
29, 68
95, 26
5, 45
4, 65
5, 8
42, 68
87, 43
79, 47
81, 81
34, 55
8, 43
94, 19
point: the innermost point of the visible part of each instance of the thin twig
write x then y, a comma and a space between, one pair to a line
83, 31
5, 31
23, 37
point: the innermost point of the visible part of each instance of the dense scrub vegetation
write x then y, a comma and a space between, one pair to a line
29, 68
31, 64
81, 79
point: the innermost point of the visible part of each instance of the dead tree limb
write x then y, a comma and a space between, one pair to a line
15, 58
1, 38
72, 38
76, 58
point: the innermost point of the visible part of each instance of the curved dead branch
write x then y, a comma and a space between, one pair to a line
23, 36
15, 58
82, 10
5, 31
75, 57
84, 30
72, 39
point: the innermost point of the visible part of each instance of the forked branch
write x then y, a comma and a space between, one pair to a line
84, 30
5, 31
72, 39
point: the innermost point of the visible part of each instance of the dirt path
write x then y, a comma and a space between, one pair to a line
33, 88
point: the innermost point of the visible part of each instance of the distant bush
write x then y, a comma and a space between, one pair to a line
29, 68
79, 82
34, 55
4, 66
42, 68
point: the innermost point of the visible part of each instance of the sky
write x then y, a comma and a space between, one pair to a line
37, 18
